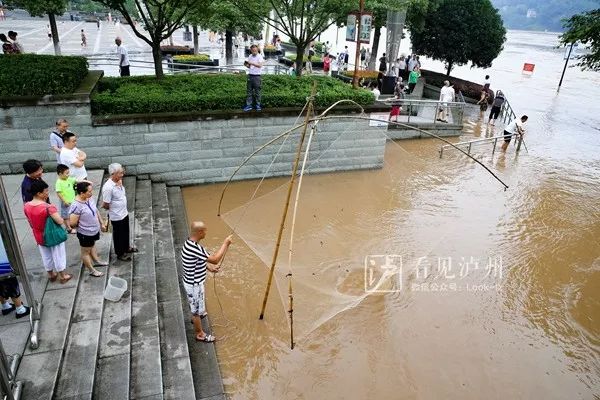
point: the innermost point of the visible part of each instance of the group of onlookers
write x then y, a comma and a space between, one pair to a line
76, 214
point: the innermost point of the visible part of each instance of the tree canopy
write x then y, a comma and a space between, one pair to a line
585, 28
458, 32
301, 20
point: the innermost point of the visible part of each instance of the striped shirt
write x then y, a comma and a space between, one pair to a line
193, 259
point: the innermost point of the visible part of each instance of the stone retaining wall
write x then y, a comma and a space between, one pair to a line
186, 152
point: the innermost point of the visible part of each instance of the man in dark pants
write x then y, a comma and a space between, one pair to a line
123, 57
254, 63
114, 200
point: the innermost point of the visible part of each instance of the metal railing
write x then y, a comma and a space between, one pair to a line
10, 388
469, 143
172, 67
506, 113
427, 111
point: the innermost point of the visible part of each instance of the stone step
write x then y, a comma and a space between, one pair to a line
177, 373
146, 365
40, 369
76, 378
113, 368
208, 382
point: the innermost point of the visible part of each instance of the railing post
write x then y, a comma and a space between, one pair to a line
15, 258
469, 149
6, 376
519, 143
495, 143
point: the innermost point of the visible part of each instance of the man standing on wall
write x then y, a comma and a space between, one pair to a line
56, 137
114, 200
195, 261
123, 58
254, 64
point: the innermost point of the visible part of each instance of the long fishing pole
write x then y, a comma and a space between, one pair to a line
287, 201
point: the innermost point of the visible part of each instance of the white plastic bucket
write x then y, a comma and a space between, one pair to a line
115, 288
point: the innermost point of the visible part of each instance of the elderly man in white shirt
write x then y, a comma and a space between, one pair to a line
446, 96
114, 199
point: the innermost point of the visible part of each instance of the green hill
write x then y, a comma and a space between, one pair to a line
540, 15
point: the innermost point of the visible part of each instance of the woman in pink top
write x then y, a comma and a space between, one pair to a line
37, 211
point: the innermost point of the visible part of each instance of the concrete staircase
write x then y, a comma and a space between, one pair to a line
91, 348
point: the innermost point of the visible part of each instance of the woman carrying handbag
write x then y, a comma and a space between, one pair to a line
50, 236
85, 216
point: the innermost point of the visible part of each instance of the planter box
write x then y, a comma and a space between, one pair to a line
175, 50
191, 64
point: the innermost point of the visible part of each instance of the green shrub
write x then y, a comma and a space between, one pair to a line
184, 93
36, 75
185, 58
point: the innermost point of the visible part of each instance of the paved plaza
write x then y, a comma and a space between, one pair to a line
33, 35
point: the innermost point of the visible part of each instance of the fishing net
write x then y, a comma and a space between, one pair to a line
335, 260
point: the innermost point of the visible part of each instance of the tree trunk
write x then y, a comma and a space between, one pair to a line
449, 68
157, 57
171, 40
299, 58
54, 30
375, 47
195, 34
229, 47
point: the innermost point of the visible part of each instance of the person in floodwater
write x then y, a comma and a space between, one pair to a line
195, 261
496, 107
516, 127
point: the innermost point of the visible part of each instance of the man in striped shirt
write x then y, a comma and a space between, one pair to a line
195, 261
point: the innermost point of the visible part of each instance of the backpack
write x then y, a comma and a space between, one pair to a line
490, 99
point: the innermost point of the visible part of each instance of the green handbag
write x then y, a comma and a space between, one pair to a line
54, 234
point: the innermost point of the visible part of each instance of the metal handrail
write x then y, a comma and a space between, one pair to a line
454, 107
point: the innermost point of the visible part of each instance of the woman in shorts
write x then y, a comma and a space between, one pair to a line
85, 216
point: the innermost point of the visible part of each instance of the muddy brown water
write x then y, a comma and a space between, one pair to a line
512, 307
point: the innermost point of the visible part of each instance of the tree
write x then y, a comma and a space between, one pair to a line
37, 8
585, 28
301, 20
222, 16
458, 32
159, 18
379, 8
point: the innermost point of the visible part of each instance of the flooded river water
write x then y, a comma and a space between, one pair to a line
496, 293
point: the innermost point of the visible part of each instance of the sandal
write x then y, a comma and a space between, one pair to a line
132, 250
96, 273
208, 338
52, 278
66, 278
100, 264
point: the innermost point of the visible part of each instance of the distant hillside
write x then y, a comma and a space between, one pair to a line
540, 15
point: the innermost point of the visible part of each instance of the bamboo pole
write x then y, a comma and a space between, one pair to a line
287, 201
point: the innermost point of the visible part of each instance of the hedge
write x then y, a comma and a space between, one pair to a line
185, 93
314, 59
37, 75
